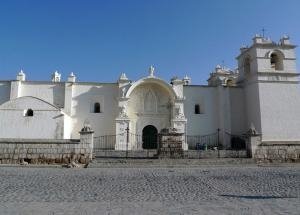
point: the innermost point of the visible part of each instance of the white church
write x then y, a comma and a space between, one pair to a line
262, 94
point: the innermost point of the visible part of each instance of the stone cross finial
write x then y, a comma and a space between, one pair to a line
72, 77
21, 76
123, 76
56, 76
151, 71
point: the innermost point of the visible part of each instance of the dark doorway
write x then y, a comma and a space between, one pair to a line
149, 137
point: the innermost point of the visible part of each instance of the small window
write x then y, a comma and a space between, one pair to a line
197, 109
29, 112
97, 108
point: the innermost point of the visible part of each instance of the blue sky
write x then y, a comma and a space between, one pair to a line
97, 40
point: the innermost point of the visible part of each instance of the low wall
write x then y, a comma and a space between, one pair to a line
190, 154
150, 153
215, 154
273, 151
36, 151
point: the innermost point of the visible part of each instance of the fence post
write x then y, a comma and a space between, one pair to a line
218, 142
127, 140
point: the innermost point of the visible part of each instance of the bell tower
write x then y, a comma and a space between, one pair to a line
268, 74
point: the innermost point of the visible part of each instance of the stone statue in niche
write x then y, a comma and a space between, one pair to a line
122, 112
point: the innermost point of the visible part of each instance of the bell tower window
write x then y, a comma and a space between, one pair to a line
276, 61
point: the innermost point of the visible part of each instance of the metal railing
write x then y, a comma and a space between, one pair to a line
203, 142
106, 142
194, 142
235, 142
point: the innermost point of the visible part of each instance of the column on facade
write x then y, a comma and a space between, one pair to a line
16, 86
178, 119
122, 121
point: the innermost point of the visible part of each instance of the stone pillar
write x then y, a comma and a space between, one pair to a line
252, 143
178, 120
122, 143
16, 86
171, 143
180, 126
86, 145
122, 120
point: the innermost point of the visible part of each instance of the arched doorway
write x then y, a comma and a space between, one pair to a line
150, 137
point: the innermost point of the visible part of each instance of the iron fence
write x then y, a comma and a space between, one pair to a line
203, 142
235, 142
141, 142
106, 142
131, 141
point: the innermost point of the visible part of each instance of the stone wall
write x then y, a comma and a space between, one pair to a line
283, 152
200, 154
46, 151
170, 144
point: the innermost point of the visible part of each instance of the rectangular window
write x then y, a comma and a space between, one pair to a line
197, 109
97, 107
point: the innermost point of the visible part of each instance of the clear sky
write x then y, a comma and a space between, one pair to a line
97, 40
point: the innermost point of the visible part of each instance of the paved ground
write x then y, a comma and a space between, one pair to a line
240, 189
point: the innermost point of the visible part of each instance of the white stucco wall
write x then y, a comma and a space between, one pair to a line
237, 110
84, 97
280, 111
4, 91
207, 121
252, 106
47, 121
51, 92
68, 125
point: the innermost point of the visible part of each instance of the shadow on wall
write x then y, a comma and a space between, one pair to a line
58, 95
83, 108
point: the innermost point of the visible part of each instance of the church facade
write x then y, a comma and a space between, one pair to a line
262, 95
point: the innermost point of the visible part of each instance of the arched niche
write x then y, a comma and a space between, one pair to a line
276, 59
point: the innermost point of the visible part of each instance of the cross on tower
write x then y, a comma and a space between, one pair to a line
223, 64
263, 32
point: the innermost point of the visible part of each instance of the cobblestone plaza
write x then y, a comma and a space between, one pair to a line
226, 189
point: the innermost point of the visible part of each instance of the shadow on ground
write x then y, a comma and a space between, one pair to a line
259, 197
